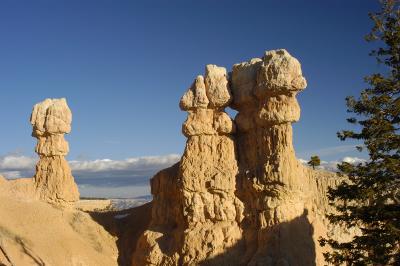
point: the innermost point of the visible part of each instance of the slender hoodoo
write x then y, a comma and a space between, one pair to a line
196, 213
54, 183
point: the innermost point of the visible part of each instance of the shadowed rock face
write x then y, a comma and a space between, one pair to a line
54, 183
239, 196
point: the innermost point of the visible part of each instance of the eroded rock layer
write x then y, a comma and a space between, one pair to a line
53, 181
196, 214
239, 196
273, 183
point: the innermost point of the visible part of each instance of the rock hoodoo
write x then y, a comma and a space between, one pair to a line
239, 196
53, 181
32, 231
273, 183
208, 171
196, 214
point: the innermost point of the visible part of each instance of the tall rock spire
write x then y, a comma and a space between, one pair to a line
239, 196
54, 183
272, 180
202, 217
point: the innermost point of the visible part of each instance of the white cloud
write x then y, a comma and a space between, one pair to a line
17, 162
303, 161
353, 160
116, 178
332, 165
141, 168
138, 163
16, 166
11, 174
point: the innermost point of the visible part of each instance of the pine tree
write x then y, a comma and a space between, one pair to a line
370, 198
315, 161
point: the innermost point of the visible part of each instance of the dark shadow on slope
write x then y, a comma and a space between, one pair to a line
29, 252
5, 255
21, 243
127, 229
288, 243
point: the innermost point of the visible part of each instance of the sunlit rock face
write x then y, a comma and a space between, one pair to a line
272, 181
239, 196
196, 213
270, 174
54, 183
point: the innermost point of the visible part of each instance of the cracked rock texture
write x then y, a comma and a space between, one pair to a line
53, 181
196, 214
274, 185
239, 196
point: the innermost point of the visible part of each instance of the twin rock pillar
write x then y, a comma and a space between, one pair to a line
238, 196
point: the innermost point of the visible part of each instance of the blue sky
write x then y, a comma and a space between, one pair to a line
123, 66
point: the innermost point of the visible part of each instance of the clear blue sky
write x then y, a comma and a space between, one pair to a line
123, 66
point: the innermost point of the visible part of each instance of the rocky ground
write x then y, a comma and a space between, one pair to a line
36, 233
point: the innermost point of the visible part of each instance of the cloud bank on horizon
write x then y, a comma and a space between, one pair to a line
101, 177
118, 178
332, 165
17, 166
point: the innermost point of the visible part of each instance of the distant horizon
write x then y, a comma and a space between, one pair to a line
117, 179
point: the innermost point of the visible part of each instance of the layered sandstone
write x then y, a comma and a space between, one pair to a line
196, 214
274, 185
53, 181
239, 196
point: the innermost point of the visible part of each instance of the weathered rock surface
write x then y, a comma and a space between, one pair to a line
196, 214
54, 183
239, 196
33, 232
284, 206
